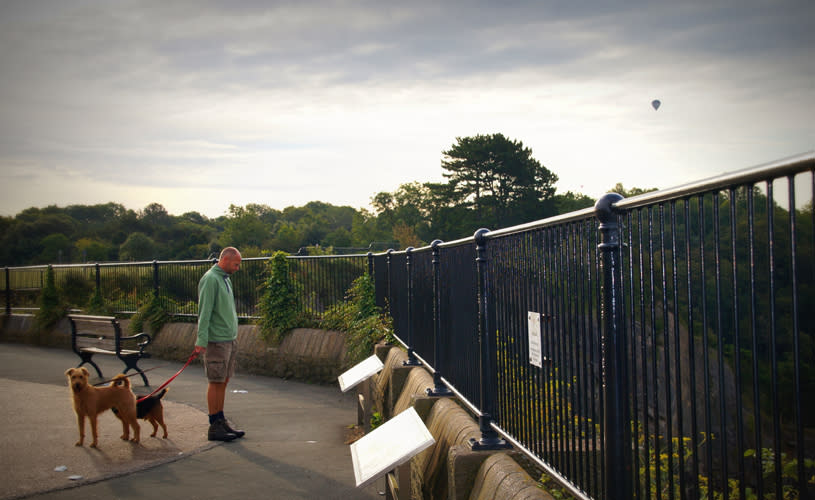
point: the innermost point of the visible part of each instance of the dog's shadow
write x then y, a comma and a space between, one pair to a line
99, 458
127, 452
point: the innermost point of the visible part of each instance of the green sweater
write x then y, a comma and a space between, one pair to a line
217, 317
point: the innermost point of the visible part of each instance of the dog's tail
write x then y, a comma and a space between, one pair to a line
120, 380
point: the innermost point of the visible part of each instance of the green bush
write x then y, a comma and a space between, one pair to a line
663, 464
279, 308
360, 319
152, 313
97, 304
74, 287
51, 309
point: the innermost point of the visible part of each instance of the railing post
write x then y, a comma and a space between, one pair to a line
388, 279
155, 278
371, 265
8, 293
411, 361
617, 460
439, 388
98, 277
490, 440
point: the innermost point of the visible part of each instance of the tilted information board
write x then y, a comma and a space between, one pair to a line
389, 445
360, 372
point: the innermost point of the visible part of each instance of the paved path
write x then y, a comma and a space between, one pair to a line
294, 448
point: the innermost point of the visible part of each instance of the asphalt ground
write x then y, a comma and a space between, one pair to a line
294, 448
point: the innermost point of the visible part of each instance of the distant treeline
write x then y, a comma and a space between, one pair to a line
493, 182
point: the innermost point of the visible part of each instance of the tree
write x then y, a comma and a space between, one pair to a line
96, 215
571, 202
22, 241
286, 238
155, 214
138, 247
627, 193
406, 236
56, 248
365, 230
408, 209
339, 237
498, 179
187, 239
245, 227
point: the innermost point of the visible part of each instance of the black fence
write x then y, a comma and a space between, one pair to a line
126, 286
655, 347
659, 346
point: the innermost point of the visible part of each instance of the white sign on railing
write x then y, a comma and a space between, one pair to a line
535, 352
359, 372
389, 445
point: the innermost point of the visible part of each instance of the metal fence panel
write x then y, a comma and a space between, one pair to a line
459, 318
422, 314
713, 297
326, 279
553, 410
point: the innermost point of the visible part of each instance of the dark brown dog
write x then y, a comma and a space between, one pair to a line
152, 410
90, 401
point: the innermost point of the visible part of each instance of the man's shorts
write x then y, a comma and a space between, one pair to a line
219, 360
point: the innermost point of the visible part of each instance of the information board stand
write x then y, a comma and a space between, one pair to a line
359, 372
388, 446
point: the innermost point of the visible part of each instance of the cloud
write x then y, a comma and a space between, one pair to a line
289, 102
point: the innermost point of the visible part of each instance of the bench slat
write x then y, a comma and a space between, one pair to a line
97, 350
103, 343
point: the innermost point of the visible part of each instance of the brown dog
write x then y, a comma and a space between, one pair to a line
150, 409
90, 401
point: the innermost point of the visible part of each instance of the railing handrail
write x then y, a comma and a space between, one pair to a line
319, 257
771, 170
111, 264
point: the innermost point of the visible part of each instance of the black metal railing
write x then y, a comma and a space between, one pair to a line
326, 279
659, 346
654, 347
126, 286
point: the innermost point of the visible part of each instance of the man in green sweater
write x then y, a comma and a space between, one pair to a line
217, 339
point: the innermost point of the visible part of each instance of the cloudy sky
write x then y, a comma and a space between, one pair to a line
197, 105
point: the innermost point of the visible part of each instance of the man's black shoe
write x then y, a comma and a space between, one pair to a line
237, 432
219, 432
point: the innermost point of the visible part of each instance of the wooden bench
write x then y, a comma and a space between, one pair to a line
103, 335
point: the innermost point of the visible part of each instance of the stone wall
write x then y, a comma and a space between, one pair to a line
21, 328
501, 477
305, 354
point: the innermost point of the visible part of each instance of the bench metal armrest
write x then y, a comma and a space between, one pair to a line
144, 343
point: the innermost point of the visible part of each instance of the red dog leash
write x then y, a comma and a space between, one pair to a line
165, 384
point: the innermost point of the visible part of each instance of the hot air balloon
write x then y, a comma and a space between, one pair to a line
655, 103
